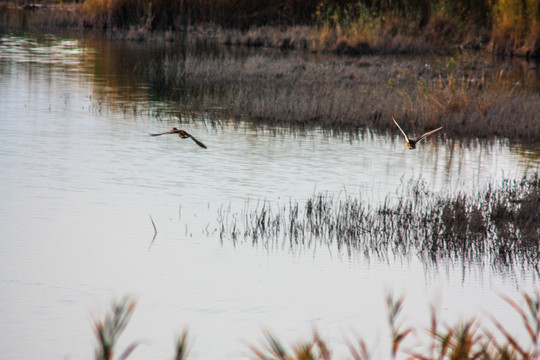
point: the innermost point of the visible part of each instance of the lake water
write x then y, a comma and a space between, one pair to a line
80, 179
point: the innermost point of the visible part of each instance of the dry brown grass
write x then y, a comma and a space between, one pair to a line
516, 29
109, 330
498, 225
467, 97
469, 339
353, 27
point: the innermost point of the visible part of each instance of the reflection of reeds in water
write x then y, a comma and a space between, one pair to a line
466, 340
500, 223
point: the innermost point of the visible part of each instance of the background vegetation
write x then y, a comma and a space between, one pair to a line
469, 97
354, 26
509, 26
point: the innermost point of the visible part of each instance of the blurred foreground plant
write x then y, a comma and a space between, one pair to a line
466, 340
182, 349
463, 341
109, 330
316, 348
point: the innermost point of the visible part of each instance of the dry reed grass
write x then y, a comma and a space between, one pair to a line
467, 97
109, 330
498, 225
468, 339
354, 27
516, 28
111, 327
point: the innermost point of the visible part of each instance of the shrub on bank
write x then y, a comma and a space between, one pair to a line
509, 26
344, 26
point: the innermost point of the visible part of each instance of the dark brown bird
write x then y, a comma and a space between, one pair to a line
411, 143
183, 134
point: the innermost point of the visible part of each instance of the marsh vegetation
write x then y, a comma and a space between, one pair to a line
469, 96
469, 93
474, 338
344, 26
497, 226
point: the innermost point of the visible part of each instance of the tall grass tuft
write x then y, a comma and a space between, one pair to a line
182, 346
473, 340
109, 330
466, 340
498, 224
530, 317
316, 348
469, 97
398, 334
516, 27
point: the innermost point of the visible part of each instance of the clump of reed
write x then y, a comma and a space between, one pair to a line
516, 27
469, 339
498, 224
109, 329
275, 349
466, 340
469, 99
469, 96
358, 28
466, 99
465, 95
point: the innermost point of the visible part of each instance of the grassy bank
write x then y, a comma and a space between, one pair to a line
469, 94
470, 339
469, 97
497, 225
344, 26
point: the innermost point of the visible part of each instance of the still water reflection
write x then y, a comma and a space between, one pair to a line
80, 179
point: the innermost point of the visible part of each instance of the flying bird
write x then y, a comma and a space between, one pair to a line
183, 134
411, 143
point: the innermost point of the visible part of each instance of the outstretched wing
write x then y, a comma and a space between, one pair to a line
183, 134
165, 133
400, 129
197, 142
428, 133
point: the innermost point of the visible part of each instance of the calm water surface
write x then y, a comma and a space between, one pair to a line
81, 177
